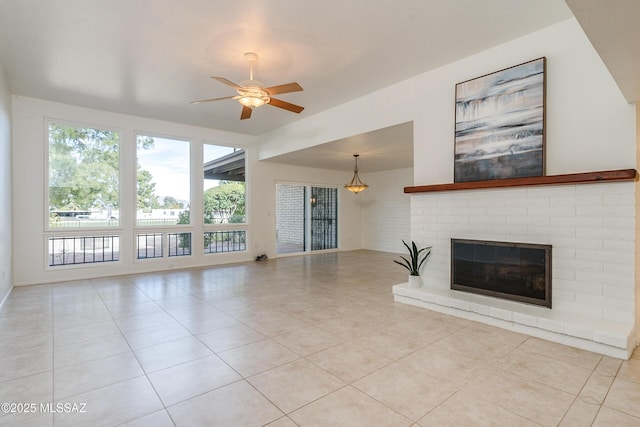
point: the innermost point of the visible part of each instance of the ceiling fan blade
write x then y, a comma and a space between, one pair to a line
227, 82
211, 100
285, 88
246, 113
286, 105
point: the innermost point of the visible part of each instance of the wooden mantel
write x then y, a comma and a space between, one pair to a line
573, 178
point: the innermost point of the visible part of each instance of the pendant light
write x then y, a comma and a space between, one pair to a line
356, 185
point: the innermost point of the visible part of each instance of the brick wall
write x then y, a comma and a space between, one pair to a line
591, 228
290, 213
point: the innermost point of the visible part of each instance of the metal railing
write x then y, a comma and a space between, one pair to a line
179, 244
225, 241
149, 245
83, 250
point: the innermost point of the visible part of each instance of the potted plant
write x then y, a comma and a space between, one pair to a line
417, 257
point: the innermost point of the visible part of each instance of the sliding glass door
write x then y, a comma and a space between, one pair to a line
306, 218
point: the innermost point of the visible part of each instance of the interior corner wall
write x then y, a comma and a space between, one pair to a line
28, 145
637, 236
263, 200
6, 238
386, 210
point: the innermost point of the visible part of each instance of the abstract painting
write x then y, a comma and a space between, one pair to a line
500, 124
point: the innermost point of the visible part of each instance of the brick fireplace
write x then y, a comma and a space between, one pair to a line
591, 227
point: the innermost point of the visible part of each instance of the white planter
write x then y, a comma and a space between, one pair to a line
415, 281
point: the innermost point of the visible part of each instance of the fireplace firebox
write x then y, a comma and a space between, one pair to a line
515, 271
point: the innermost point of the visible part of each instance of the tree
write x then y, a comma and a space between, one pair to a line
146, 187
83, 167
224, 203
170, 202
146, 190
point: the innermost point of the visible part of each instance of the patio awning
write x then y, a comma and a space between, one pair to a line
226, 168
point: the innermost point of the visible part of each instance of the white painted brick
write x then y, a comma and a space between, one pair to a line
452, 219
581, 265
628, 200
619, 245
576, 287
499, 313
626, 222
551, 231
487, 203
443, 235
551, 211
589, 200
605, 233
560, 253
580, 330
590, 300
569, 309
562, 296
460, 304
625, 293
617, 315
488, 220
485, 310
619, 270
563, 274
572, 221
612, 333
560, 190
591, 211
551, 325
525, 319
506, 229
601, 278
443, 212
530, 201
591, 228
562, 201
463, 230
528, 220
453, 203
619, 211
606, 188
470, 211
604, 256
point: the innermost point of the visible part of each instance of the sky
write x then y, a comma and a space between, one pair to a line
168, 161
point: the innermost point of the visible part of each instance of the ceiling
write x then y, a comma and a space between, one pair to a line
383, 149
151, 57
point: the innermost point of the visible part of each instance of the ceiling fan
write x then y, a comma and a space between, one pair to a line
252, 93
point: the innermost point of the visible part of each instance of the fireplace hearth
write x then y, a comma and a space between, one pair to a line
515, 271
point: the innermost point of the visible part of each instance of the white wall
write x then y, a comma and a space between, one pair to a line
5, 188
589, 124
30, 204
589, 127
386, 210
264, 201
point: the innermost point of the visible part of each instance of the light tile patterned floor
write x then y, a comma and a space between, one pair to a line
309, 341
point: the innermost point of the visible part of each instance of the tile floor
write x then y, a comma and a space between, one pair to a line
309, 341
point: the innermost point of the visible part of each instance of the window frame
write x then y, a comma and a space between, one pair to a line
47, 215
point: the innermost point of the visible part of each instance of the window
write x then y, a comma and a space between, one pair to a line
225, 241
163, 187
224, 185
84, 169
70, 250
149, 245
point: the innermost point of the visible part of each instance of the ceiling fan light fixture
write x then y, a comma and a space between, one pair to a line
253, 97
252, 101
356, 185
